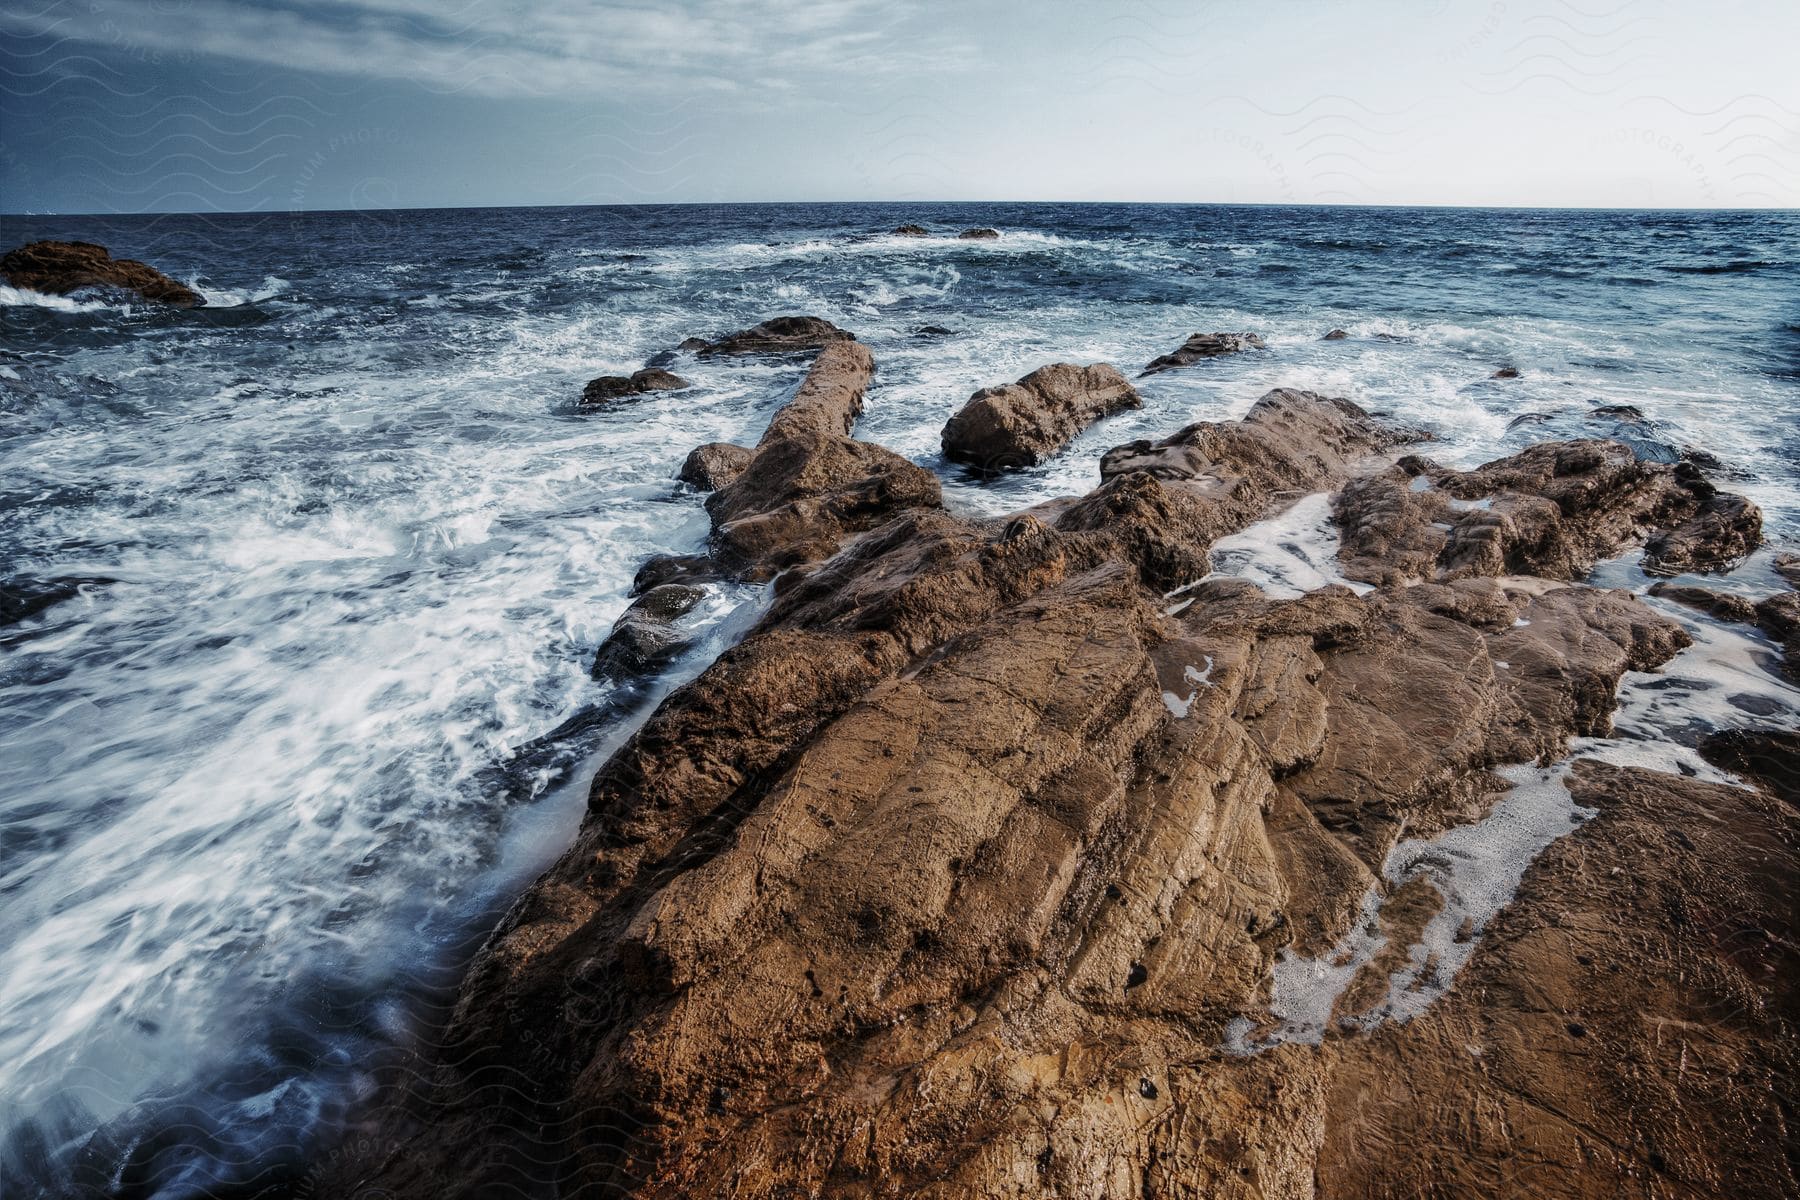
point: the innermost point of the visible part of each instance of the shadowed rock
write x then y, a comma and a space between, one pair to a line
1505, 373
913, 231
710, 467
1336, 335
1019, 424
979, 234
646, 637
778, 335
616, 387
58, 268
1203, 346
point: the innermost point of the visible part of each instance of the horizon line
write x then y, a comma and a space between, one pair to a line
304, 212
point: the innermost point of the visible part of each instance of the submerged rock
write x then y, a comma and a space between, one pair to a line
1505, 373
1019, 424
1203, 346
617, 387
981, 233
778, 335
59, 268
1336, 335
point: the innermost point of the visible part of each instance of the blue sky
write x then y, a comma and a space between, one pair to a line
279, 105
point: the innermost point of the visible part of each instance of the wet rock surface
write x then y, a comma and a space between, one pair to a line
952, 877
1203, 346
981, 233
59, 268
1019, 424
712, 466
777, 335
1553, 511
607, 388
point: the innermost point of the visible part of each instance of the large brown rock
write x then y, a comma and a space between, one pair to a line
1202, 346
1019, 424
777, 335
952, 878
59, 268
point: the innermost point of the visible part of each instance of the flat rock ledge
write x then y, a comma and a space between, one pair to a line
953, 877
1020, 424
59, 268
1202, 346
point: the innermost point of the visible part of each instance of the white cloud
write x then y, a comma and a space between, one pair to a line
490, 47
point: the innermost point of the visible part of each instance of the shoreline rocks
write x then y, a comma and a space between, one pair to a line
1202, 346
953, 876
1020, 424
59, 268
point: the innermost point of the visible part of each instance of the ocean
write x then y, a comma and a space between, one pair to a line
308, 581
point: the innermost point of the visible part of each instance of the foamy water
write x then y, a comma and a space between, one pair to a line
335, 549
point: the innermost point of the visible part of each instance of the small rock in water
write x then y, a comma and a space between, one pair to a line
1505, 373
1205, 345
912, 231
710, 467
778, 335
1336, 335
978, 234
617, 387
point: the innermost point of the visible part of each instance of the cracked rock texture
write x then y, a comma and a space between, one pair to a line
948, 879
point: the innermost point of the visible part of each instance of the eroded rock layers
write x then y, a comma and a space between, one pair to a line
950, 877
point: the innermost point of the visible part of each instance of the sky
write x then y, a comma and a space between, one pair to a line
286, 105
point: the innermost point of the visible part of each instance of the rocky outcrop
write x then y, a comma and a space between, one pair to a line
1552, 511
1203, 346
913, 231
59, 268
951, 878
778, 335
608, 388
980, 233
1019, 424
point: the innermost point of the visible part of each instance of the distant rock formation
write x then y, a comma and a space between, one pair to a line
59, 268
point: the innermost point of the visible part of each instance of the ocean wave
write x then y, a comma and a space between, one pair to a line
12, 297
1742, 266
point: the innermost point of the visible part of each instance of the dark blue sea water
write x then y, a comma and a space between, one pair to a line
333, 549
